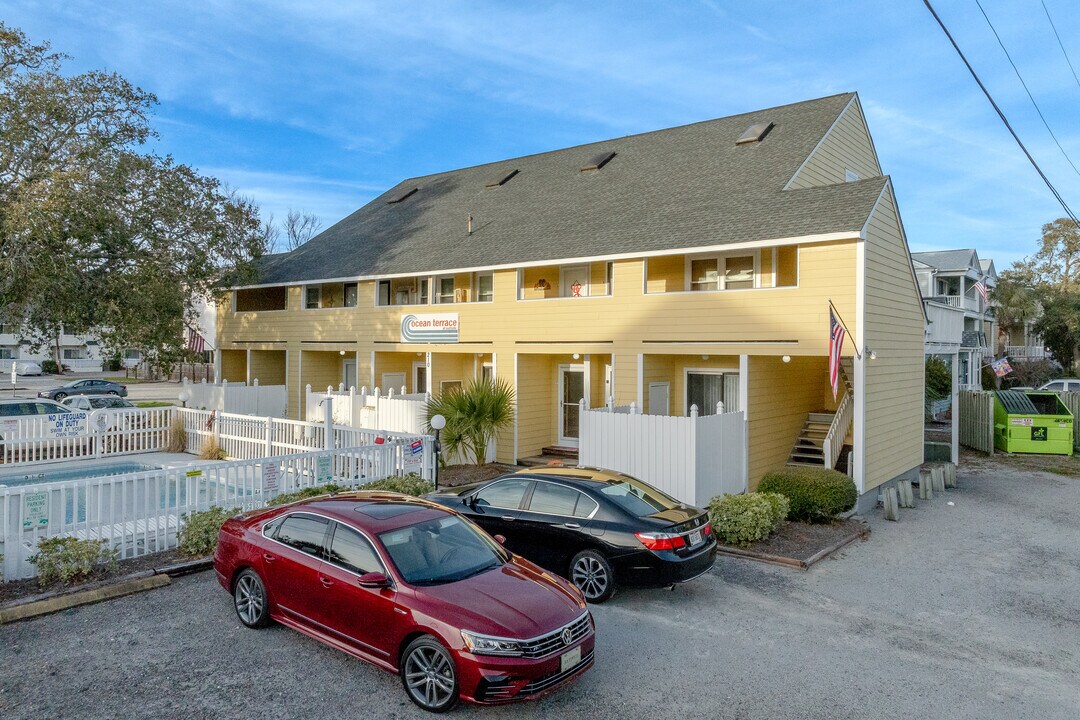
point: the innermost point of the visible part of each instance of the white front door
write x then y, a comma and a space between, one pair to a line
571, 391
659, 398
348, 373
420, 377
575, 281
392, 380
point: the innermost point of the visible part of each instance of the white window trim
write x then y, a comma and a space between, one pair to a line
344, 300
308, 288
476, 289
721, 265
435, 290
564, 290
420, 365
520, 295
701, 371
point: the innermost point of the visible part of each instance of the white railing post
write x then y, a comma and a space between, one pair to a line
255, 382
693, 411
719, 407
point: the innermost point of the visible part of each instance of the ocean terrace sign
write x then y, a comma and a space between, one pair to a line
440, 328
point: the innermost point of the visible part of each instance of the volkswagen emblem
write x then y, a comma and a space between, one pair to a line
567, 636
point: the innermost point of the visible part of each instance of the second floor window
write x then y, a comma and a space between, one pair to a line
446, 290
733, 272
485, 287
350, 293
312, 297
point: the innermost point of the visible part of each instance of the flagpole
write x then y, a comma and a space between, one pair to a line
840, 319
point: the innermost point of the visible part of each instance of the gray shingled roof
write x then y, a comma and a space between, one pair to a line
946, 259
683, 187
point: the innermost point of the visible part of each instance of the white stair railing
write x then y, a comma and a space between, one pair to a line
838, 430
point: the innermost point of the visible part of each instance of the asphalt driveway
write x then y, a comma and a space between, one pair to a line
970, 610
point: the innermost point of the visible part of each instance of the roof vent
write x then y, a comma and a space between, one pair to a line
598, 162
401, 196
503, 179
755, 133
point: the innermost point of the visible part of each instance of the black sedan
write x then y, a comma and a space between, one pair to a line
85, 387
599, 528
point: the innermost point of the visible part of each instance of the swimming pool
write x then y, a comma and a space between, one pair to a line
35, 476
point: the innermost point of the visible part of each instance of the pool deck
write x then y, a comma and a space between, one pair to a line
158, 459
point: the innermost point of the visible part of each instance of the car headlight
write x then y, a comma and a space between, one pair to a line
488, 645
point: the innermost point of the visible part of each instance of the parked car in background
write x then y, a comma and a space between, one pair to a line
1062, 385
22, 407
26, 367
85, 387
411, 587
599, 528
96, 402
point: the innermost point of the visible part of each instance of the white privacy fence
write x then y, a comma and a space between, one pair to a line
396, 412
98, 433
254, 399
691, 458
140, 513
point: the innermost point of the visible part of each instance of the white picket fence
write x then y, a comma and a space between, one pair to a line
100, 433
691, 458
254, 399
140, 513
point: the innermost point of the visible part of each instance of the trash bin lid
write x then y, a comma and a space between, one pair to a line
1017, 403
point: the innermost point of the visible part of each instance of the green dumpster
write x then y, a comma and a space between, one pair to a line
1032, 421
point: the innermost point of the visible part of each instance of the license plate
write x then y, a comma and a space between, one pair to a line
570, 659
695, 537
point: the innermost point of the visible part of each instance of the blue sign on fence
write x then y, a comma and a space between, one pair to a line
417, 447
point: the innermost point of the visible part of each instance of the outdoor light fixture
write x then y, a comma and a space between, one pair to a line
438, 422
704, 357
871, 355
341, 352
786, 358
576, 356
184, 396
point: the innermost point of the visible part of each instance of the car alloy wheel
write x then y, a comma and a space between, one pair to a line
591, 572
429, 676
59, 396
113, 393
249, 598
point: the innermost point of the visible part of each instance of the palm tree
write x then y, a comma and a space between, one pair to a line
474, 415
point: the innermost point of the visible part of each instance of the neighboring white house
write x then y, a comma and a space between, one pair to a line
961, 328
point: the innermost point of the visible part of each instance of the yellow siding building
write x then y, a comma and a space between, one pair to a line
688, 266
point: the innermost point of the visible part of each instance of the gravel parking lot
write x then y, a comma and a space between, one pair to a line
967, 610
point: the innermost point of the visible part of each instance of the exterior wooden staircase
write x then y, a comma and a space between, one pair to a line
821, 440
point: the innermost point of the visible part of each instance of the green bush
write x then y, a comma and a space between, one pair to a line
199, 533
115, 364
743, 519
303, 494
49, 367
410, 484
816, 494
66, 559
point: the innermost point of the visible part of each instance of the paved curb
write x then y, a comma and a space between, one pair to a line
56, 600
863, 532
85, 597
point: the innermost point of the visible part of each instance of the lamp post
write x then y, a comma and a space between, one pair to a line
184, 396
438, 422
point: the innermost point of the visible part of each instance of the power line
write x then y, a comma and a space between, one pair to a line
1001, 115
1026, 89
1060, 45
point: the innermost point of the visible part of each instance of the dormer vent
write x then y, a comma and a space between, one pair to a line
755, 133
598, 162
401, 196
503, 178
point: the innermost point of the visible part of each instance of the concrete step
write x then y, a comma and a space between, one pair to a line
821, 418
558, 451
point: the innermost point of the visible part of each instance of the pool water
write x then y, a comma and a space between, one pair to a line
45, 475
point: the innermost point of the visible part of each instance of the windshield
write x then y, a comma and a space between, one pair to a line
439, 551
637, 497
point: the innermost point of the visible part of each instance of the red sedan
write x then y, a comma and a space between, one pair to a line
413, 588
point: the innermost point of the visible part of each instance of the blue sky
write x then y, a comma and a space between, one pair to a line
322, 106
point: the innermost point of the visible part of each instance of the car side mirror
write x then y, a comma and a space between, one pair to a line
374, 580
501, 539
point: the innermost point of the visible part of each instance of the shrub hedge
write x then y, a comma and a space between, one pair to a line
743, 519
199, 533
816, 494
410, 484
66, 559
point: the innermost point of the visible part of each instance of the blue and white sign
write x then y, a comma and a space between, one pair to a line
66, 425
416, 447
431, 328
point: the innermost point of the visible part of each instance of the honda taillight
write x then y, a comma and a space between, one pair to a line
707, 530
661, 541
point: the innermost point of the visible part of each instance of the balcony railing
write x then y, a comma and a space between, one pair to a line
963, 302
1026, 352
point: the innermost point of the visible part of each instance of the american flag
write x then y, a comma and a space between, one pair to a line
196, 342
981, 289
836, 345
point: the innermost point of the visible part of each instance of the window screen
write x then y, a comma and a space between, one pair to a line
739, 272
704, 274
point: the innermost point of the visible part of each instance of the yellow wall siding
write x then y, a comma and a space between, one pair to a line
779, 396
787, 266
396, 362
535, 399
268, 366
667, 274
894, 325
234, 365
847, 146
450, 367
672, 370
321, 370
